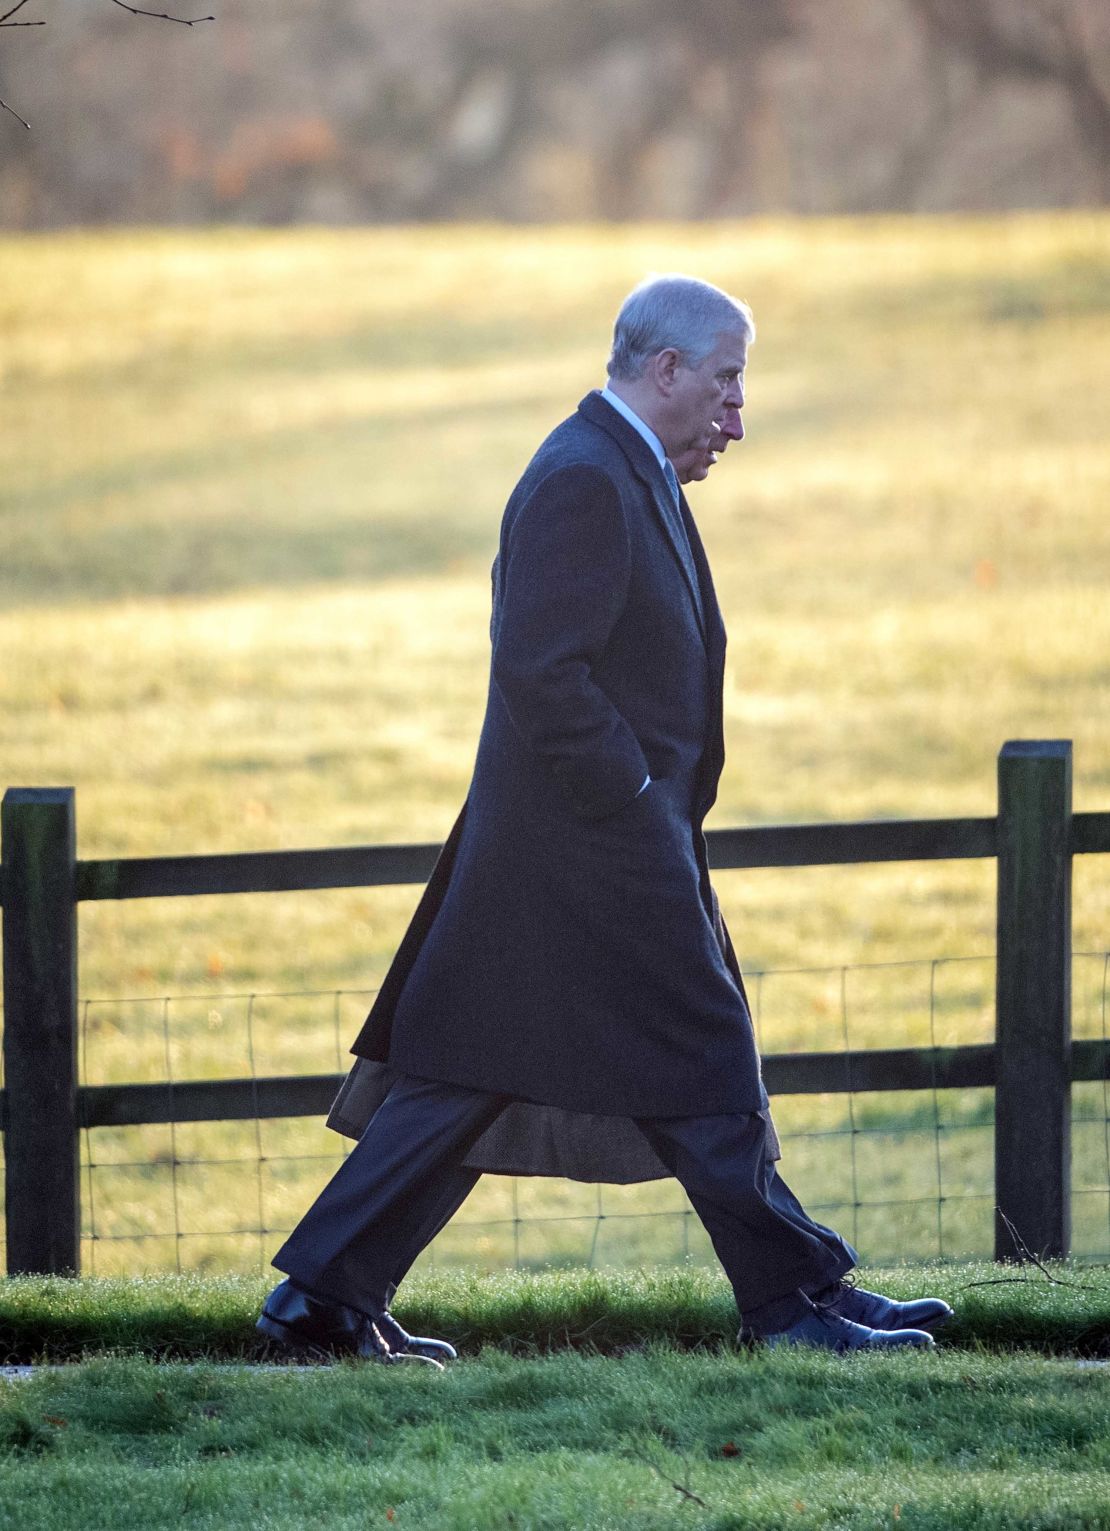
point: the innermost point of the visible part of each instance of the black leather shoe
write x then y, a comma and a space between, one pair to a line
879, 1312
308, 1327
825, 1330
402, 1343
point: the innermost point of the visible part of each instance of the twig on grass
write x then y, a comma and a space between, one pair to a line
1023, 1249
679, 1488
1025, 1256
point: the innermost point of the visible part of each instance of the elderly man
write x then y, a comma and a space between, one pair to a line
693, 467
566, 993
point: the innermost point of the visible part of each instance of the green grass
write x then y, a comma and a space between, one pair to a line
250, 485
579, 1400
527, 1313
942, 1441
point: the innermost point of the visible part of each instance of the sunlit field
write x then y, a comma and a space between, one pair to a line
251, 485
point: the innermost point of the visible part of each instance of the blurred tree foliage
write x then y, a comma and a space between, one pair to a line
384, 110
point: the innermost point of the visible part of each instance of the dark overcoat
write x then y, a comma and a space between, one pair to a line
568, 950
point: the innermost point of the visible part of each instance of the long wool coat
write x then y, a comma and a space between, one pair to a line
568, 951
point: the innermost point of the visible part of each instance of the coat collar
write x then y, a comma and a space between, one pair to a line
640, 456
642, 461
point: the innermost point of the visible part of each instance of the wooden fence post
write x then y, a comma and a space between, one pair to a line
38, 846
1032, 1135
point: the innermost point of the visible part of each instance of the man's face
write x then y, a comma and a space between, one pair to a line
699, 396
694, 465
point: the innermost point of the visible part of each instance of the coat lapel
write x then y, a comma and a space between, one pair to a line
715, 641
643, 464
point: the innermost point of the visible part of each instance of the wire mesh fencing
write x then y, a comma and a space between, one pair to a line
904, 1174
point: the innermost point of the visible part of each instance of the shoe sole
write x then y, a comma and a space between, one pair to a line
926, 1325
285, 1339
773, 1343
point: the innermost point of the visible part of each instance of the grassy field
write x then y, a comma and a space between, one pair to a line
579, 1401
1062, 1309
940, 1443
250, 485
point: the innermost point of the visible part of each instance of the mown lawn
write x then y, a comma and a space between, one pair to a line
250, 484
580, 1400
655, 1440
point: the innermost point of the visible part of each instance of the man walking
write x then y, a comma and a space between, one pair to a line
567, 964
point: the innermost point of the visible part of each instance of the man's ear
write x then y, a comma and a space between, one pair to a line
662, 369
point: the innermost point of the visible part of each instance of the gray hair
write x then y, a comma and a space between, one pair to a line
673, 312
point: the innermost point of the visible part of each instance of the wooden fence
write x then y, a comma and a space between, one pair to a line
1030, 1065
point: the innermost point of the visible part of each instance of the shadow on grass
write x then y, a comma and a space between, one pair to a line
599, 1312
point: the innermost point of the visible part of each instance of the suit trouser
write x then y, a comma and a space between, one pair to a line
405, 1178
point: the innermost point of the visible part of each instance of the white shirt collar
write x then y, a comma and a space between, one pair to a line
637, 425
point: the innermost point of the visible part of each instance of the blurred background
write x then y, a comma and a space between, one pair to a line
287, 300
357, 111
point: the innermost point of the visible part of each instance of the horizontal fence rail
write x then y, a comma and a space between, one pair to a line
379, 866
819, 1073
1030, 1066
366, 866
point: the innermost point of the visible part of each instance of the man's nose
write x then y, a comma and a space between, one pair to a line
732, 425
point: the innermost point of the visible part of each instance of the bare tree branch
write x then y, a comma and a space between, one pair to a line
1031, 40
5, 21
15, 114
18, 6
160, 15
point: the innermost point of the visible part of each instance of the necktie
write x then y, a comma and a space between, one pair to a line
672, 480
683, 539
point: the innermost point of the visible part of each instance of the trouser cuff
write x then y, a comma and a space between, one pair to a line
330, 1300
774, 1316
